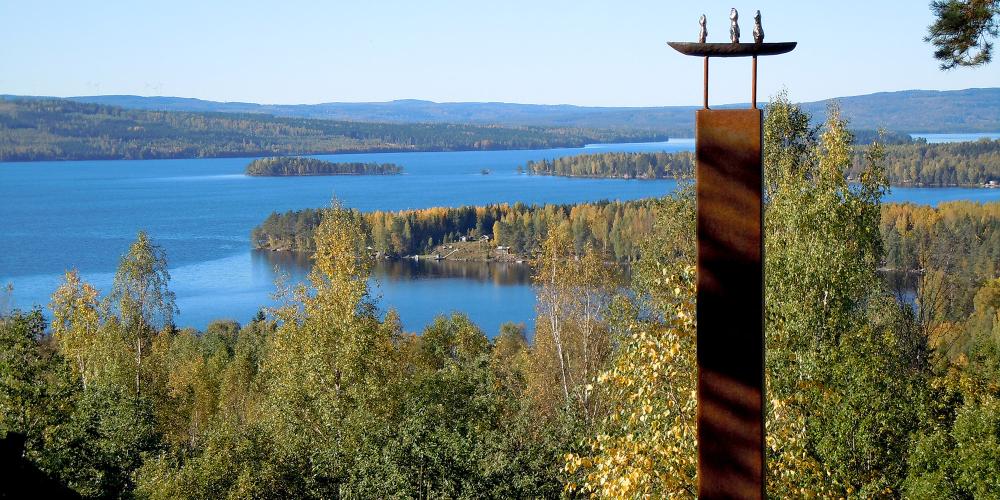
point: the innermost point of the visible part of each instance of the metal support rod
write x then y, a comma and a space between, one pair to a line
706, 82
754, 91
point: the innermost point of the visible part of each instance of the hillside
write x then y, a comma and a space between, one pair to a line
914, 164
59, 129
971, 110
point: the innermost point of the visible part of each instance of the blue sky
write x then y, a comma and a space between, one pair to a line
606, 53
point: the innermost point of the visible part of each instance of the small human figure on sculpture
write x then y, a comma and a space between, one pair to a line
758, 30
703, 33
734, 26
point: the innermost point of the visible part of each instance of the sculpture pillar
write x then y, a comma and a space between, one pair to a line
730, 309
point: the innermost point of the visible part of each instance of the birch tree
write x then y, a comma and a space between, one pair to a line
141, 297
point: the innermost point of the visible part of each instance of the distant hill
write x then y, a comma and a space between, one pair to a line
59, 129
930, 111
971, 110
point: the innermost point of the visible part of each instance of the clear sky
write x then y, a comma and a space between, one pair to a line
606, 53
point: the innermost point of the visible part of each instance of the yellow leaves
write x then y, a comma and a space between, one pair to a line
75, 324
650, 447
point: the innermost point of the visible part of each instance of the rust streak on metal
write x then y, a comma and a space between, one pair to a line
730, 304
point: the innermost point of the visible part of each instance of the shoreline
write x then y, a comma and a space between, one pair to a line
994, 185
492, 259
376, 150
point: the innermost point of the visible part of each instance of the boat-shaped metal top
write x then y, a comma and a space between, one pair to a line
732, 49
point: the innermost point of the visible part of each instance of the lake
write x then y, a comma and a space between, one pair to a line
62, 215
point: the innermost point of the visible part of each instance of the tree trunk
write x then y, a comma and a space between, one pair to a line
554, 325
138, 363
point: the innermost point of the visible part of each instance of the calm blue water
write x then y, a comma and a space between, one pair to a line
933, 196
939, 138
62, 215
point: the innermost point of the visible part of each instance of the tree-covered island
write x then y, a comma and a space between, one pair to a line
282, 166
617, 165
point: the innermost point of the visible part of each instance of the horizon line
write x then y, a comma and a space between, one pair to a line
430, 101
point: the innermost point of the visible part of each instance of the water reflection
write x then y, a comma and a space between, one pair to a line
298, 264
495, 273
489, 293
903, 285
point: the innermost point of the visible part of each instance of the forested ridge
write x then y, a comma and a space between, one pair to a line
946, 164
323, 397
56, 129
927, 111
279, 166
914, 164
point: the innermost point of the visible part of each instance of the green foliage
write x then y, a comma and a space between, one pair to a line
139, 293
958, 454
977, 448
142, 300
285, 166
953, 250
947, 164
984, 322
573, 337
462, 432
613, 227
48, 129
907, 163
323, 398
619, 165
962, 31
840, 359
646, 446
846, 388
21, 365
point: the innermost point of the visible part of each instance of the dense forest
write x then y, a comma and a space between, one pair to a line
949, 164
619, 165
952, 249
915, 237
277, 166
56, 129
914, 164
321, 397
614, 227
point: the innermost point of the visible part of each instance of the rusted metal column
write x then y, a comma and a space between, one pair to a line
730, 303
730, 179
